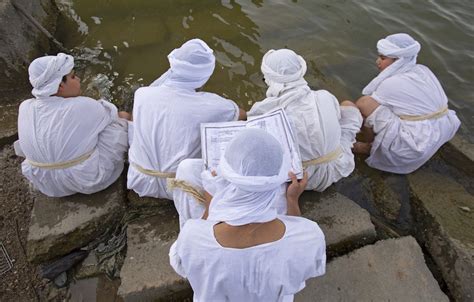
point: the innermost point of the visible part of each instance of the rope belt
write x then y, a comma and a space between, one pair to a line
173, 183
64, 164
323, 159
153, 172
430, 116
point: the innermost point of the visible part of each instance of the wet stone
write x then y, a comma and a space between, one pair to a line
147, 274
445, 228
142, 202
390, 270
459, 153
344, 223
61, 225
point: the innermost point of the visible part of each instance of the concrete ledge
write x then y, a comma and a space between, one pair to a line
444, 216
390, 270
60, 225
459, 153
147, 274
345, 225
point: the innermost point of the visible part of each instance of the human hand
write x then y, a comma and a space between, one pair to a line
214, 173
296, 187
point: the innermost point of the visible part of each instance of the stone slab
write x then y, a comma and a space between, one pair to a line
60, 225
344, 223
390, 270
141, 202
444, 218
459, 153
147, 274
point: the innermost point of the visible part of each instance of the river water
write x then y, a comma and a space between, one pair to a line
123, 44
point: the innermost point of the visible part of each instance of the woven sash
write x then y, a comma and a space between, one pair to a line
64, 164
429, 116
153, 172
323, 159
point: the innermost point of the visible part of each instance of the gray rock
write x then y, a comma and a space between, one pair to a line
147, 274
446, 228
88, 268
390, 270
60, 225
459, 153
345, 224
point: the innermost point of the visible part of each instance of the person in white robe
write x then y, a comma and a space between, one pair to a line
244, 250
405, 109
325, 130
72, 143
167, 116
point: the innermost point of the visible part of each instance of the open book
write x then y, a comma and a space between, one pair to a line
216, 136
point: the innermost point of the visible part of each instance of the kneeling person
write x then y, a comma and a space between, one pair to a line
72, 144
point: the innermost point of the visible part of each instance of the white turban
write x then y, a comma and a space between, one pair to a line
283, 69
191, 65
250, 174
398, 46
46, 73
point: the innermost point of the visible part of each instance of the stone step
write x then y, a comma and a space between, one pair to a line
344, 223
147, 275
390, 270
444, 216
60, 225
460, 153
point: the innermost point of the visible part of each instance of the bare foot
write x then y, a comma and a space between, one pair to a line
362, 148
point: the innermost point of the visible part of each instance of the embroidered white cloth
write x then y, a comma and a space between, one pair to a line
167, 117
47, 72
402, 146
55, 129
321, 125
272, 271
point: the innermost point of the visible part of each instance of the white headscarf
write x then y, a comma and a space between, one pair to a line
401, 47
283, 70
250, 174
46, 73
191, 66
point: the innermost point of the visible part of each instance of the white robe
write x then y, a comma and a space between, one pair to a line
55, 129
321, 126
166, 130
272, 271
402, 146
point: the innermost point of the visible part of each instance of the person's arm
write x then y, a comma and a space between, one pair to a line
293, 193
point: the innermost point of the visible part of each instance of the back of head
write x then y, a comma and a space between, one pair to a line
254, 152
283, 66
398, 46
46, 73
192, 64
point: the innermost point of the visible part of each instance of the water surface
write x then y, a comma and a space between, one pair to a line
123, 44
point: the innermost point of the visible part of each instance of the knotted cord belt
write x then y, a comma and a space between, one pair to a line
323, 159
153, 172
173, 183
64, 164
430, 116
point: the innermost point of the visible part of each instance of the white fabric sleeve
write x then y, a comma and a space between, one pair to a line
175, 260
111, 108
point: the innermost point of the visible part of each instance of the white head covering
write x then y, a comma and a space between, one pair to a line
249, 174
47, 72
401, 47
191, 65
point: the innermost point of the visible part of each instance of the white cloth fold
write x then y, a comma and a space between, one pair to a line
315, 117
253, 169
46, 73
55, 129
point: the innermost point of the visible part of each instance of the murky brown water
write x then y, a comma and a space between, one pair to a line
123, 44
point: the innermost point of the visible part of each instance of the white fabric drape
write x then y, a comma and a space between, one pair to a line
47, 72
168, 114
55, 129
410, 89
319, 123
272, 271
253, 171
